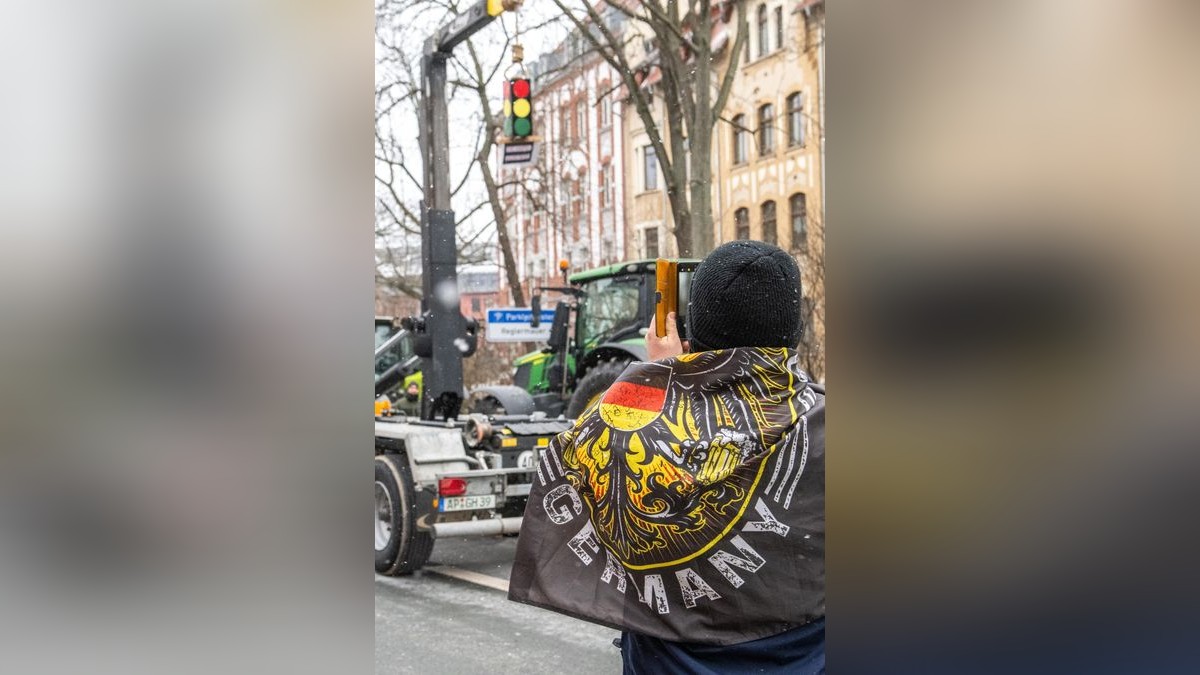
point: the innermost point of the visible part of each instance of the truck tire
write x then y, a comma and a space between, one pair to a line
399, 547
593, 385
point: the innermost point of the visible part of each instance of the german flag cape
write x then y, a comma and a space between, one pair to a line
688, 503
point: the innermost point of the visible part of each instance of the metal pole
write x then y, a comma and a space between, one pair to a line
438, 185
443, 325
441, 337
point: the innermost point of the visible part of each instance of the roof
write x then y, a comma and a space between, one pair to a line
629, 266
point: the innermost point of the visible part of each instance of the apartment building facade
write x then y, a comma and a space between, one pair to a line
768, 158
767, 147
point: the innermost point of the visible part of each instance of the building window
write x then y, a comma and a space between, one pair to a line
605, 186
605, 112
741, 141
766, 130
779, 28
651, 234
795, 113
580, 121
746, 55
576, 208
768, 222
764, 34
649, 168
475, 305
564, 200
799, 208
741, 224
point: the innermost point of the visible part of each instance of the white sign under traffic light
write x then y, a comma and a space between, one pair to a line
517, 155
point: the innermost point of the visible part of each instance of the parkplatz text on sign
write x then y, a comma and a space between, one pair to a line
511, 324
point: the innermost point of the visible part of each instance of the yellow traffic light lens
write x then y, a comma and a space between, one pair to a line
494, 7
521, 107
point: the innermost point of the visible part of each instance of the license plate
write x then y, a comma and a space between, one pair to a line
468, 503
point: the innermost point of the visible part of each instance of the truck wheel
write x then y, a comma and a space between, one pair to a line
593, 385
399, 547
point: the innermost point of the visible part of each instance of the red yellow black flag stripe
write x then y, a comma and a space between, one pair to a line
635, 400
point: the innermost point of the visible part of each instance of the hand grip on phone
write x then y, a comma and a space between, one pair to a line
666, 293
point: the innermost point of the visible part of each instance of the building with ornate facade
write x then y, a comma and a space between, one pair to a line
767, 147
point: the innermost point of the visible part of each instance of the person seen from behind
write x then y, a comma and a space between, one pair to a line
686, 506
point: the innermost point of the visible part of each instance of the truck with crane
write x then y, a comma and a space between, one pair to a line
439, 473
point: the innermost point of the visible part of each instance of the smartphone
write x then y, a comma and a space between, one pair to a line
666, 293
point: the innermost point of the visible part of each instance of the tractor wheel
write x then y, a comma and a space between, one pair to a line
593, 385
487, 405
399, 547
500, 400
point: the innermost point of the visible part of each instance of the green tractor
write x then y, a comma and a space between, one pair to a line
612, 307
609, 308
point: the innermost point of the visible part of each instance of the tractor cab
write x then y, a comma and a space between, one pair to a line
611, 307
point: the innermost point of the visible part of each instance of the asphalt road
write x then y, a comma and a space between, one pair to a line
454, 617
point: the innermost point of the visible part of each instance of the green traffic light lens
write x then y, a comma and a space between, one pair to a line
522, 127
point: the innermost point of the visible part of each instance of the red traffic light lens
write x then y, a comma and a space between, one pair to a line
520, 88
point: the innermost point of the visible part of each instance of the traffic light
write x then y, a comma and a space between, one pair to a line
497, 7
518, 109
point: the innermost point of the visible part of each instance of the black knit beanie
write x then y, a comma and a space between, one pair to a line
745, 294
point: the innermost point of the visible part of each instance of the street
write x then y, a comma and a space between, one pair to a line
454, 617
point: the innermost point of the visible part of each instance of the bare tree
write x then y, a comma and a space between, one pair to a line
694, 87
477, 79
398, 187
812, 273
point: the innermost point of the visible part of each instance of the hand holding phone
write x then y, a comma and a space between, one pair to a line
662, 337
666, 293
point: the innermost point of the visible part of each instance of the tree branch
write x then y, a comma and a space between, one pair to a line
735, 56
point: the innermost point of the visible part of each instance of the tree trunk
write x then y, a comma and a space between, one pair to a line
701, 140
510, 263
